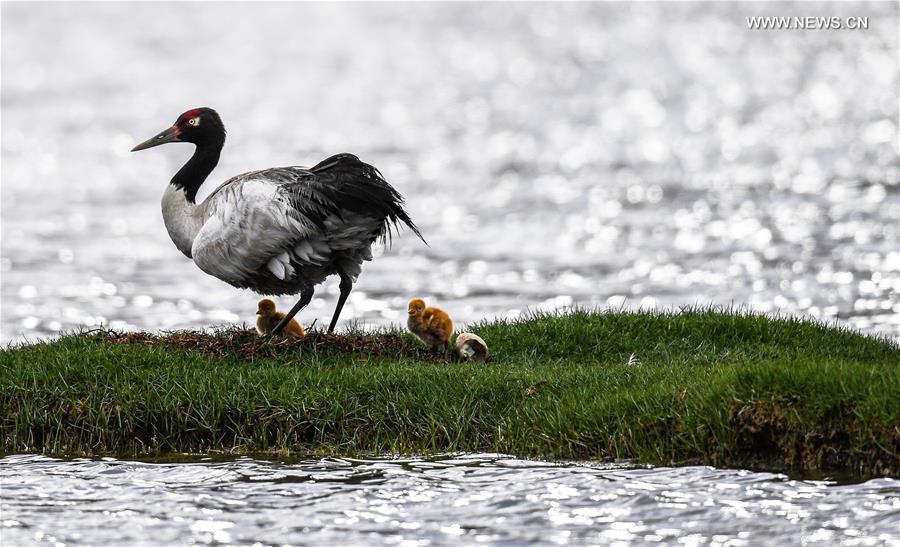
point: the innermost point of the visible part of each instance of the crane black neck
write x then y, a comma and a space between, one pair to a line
192, 174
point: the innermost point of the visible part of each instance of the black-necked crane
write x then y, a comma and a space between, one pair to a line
277, 231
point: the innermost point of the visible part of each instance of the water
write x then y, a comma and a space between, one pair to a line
650, 155
475, 499
637, 156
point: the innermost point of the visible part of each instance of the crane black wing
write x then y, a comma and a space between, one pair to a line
344, 184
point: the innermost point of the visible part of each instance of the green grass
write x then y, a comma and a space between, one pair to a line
722, 388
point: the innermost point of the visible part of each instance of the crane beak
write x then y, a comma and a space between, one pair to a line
171, 134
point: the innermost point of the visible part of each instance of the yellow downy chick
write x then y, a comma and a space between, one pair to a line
269, 318
430, 325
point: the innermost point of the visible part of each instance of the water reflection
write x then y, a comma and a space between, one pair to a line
483, 498
648, 155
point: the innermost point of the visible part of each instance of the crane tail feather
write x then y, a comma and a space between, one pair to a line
364, 190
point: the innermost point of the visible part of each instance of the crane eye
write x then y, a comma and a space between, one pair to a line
194, 121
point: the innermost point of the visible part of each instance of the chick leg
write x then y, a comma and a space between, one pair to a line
305, 297
345, 286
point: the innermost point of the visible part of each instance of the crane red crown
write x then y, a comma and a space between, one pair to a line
192, 113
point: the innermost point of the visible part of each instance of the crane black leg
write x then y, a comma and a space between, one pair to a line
346, 286
305, 296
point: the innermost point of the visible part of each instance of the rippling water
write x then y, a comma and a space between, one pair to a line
647, 155
478, 498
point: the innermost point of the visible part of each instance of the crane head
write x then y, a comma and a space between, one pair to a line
197, 125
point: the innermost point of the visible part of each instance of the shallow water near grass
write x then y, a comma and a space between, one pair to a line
461, 499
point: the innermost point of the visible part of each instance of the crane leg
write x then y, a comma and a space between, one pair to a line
345, 286
305, 296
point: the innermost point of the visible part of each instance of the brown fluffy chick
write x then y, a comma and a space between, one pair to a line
430, 325
471, 347
268, 318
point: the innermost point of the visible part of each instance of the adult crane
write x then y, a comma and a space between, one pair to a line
281, 230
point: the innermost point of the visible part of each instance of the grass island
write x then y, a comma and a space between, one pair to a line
707, 386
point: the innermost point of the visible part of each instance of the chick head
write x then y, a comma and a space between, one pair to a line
416, 306
265, 307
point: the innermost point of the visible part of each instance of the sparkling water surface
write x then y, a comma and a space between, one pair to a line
470, 499
647, 155
615, 155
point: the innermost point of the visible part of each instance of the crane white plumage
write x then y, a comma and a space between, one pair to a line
281, 230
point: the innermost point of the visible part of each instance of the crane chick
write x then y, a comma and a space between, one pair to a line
268, 318
471, 347
430, 325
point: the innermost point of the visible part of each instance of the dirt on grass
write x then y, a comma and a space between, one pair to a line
247, 345
764, 436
